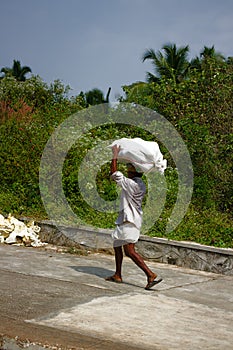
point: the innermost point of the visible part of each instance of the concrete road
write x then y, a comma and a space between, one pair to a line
62, 301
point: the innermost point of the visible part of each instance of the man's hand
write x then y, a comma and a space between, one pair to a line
115, 151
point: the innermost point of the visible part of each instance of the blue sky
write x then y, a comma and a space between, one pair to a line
99, 43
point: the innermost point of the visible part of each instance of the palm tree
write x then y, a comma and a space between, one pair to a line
210, 52
96, 96
16, 71
172, 64
207, 53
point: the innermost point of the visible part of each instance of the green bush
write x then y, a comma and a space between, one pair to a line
29, 113
200, 108
201, 111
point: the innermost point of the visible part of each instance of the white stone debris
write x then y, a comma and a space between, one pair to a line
14, 231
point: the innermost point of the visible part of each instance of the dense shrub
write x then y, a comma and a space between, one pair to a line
200, 108
29, 113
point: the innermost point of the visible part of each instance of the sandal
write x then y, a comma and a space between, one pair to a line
153, 283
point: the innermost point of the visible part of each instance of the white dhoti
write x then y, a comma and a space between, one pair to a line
125, 233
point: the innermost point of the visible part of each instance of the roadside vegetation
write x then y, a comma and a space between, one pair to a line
195, 95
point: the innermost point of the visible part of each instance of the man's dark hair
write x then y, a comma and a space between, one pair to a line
131, 168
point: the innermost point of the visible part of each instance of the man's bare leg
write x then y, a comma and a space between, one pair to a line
118, 261
138, 260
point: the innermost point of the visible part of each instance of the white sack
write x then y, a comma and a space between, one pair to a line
144, 155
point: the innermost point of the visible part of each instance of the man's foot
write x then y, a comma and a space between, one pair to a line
114, 278
152, 281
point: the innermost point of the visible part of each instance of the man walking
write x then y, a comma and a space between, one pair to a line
129, 221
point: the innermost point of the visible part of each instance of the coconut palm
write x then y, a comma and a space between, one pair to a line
210, 52
207, 53
172, 64
17, 71
96, 96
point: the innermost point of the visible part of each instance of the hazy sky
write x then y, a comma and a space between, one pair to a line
100, 43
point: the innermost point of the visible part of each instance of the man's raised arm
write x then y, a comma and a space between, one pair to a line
115, 152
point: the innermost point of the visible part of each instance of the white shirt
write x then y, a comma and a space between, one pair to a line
133, 191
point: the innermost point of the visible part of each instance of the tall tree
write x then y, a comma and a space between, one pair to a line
172, 64
96, 96
17, 71
210, 52
207, 54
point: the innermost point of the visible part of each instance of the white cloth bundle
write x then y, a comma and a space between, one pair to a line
144, 155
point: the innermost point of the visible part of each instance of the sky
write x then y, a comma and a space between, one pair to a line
99, 43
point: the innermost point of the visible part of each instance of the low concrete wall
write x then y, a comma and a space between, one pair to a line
185, 254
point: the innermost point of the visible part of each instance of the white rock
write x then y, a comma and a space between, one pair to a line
13, 230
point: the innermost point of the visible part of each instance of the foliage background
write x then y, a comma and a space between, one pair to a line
199, 107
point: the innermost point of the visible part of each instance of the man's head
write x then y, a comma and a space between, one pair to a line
132, 172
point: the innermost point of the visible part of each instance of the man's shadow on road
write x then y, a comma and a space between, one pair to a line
100, 272
93, 270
